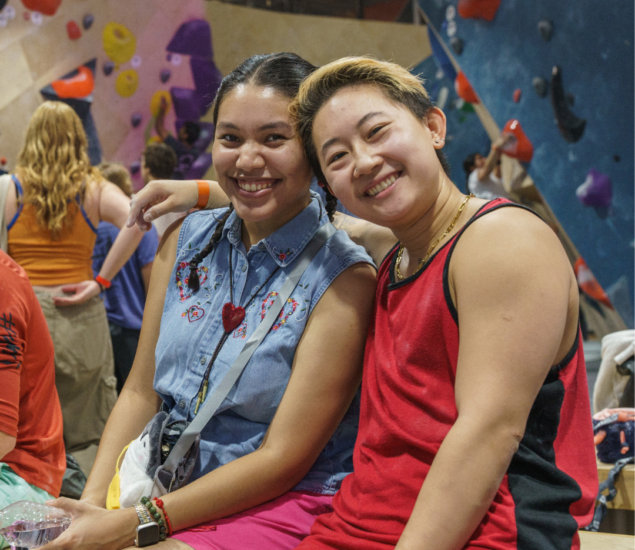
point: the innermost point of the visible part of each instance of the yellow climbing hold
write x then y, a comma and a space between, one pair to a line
119, 43
155, 102
127, 83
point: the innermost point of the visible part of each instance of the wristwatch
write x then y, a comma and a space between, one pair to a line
148, 530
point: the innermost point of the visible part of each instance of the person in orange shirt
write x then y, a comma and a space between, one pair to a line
32, 456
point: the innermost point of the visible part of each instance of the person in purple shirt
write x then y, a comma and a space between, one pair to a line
126, 298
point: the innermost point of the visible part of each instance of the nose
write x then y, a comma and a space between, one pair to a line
366, 162
250, 158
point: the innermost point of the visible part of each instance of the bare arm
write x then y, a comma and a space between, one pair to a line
146, 270
7, 444
159, 124
375, 239
161, 197
138, 402
515, 300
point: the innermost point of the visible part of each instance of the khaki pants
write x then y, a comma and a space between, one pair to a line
84, 368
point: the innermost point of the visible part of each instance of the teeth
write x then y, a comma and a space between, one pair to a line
252, 187
381, 186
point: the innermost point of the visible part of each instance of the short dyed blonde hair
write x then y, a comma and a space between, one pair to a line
396, 82
53, 164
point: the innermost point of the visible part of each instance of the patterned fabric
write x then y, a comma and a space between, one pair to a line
191, 327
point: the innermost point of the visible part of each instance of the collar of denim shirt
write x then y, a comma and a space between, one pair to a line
286, 243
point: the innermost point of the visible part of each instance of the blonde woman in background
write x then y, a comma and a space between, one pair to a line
52, 212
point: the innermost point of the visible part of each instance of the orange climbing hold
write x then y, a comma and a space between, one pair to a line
589, 284
478, 9
464, 89
520, 147
80, 85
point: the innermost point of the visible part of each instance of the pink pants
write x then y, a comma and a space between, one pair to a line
280, 524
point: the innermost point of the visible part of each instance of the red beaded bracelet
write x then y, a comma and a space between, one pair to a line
159, 503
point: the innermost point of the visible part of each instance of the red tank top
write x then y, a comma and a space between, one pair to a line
408, 407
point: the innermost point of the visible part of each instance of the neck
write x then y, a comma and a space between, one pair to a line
254, 232
417, 237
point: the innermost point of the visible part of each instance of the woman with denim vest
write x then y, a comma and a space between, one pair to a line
281, 443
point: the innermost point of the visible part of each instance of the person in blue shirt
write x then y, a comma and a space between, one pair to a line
126, 298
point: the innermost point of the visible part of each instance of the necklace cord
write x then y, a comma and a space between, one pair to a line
429, 253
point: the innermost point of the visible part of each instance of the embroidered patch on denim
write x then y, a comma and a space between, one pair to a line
184, 291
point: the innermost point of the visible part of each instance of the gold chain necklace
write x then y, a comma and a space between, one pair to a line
423, 262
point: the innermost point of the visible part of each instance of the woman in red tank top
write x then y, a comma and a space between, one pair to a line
475, 427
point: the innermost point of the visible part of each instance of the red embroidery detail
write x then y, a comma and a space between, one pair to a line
193, 313
182, 283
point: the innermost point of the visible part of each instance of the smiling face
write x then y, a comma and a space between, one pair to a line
377, 157
259, 161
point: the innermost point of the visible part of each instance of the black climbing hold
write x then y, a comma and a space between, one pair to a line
88, 21
108, 68
3, 3
540, 85
616, 158
571, 127
546, 29
457, 45
570, 98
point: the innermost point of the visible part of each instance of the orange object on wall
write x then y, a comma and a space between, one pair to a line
520, 148
589, 284
80, 85
478, 9
46, 7
464, 89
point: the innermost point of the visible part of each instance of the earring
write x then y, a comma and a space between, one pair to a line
438, 140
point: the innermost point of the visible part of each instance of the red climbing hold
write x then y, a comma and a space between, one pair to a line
478, 9
45, 7
589, 284
464, 89
517, 93
73, 30
3, 160
519, 148
80, 85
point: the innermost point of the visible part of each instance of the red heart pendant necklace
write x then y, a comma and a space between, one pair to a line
232, 317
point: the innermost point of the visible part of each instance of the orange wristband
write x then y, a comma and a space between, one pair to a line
203, 193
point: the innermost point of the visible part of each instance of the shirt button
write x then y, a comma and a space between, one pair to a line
261, 246
202, 360
244, 268
182, 404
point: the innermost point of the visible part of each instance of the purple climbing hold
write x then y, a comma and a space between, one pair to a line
199, 167
596, 191
88, 21
186, 103
540, 85
108, 68
192, 38
546, 29
135, 167
457, 45
165, 75
168, 57
136, 119
207, 79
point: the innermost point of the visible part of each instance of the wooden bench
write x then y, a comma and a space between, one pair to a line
625, 486
605, 541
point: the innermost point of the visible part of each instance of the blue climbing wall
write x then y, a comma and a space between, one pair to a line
592, 42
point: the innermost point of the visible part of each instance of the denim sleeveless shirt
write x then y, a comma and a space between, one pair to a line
191, 327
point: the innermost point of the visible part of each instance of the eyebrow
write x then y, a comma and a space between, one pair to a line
268, 126
361, 122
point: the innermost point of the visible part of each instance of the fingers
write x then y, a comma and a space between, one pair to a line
70, 289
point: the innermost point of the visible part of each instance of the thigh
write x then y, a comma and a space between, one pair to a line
280, 524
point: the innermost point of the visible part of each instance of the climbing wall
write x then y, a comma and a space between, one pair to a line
114, 62
564, 71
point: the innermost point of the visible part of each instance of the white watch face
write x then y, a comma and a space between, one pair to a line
147, 534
